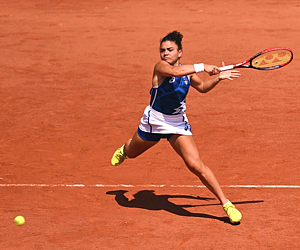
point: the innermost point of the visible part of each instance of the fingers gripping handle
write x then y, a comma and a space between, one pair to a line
226, 67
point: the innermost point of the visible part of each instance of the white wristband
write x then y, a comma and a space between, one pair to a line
199, 67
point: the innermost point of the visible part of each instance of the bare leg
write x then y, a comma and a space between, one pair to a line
136, 146
186, 147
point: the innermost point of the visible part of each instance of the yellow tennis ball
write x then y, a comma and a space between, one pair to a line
19, 220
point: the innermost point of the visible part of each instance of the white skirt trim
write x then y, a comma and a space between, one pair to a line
158, 123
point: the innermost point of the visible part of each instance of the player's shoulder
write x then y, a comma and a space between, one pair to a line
162, 66
161, 62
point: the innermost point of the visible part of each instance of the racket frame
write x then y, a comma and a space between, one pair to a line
245, 65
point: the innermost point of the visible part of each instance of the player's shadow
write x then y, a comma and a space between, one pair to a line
146, 199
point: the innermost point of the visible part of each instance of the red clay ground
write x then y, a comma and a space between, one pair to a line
74, 81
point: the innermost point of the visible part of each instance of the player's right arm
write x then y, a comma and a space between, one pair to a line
165, 69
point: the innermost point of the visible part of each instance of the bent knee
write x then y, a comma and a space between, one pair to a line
197, 167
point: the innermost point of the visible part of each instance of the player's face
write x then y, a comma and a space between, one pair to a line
169, 52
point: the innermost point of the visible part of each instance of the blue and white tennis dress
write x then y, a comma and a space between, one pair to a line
166, 112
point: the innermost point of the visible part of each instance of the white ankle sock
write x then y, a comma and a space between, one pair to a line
226, 203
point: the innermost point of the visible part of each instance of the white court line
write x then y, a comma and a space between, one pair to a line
145, 186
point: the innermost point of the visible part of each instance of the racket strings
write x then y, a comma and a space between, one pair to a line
272, 59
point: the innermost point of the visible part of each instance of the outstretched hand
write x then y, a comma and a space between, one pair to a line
229, 74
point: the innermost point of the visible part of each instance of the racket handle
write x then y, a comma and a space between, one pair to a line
226, 67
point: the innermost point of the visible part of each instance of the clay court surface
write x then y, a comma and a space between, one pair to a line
74, 81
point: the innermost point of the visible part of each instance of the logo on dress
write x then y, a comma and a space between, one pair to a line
185, 80
172, 80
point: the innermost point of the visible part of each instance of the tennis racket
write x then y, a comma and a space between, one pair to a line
268, 59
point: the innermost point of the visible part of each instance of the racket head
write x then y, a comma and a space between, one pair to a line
272, 58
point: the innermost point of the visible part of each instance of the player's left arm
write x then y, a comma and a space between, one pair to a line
203, 86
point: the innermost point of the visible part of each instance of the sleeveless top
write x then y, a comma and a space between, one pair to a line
170, 97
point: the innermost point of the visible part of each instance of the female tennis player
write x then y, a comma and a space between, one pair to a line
165, 115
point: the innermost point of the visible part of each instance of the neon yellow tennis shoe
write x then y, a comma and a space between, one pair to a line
234, 215
118, 157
